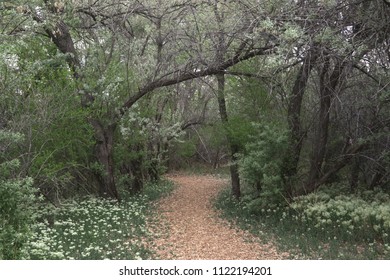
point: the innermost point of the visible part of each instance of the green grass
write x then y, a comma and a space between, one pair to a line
318, 226
96, 228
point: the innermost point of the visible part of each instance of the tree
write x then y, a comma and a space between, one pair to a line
315, 66
148, 30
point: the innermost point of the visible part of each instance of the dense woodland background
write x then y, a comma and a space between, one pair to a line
102, 97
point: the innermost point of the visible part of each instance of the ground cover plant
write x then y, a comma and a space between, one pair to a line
322, 225
95, 228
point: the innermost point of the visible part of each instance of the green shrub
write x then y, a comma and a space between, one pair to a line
155, 190
260, 166
17, 198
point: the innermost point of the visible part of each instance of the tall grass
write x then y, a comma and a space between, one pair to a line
322, 225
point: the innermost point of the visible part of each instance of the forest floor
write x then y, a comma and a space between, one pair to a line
189, 227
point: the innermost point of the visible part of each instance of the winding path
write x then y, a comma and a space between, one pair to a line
192, 229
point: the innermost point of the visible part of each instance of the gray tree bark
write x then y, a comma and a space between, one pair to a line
234, 149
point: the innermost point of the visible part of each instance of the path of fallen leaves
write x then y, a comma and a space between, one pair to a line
193, 229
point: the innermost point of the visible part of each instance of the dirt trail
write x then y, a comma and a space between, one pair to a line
195, 232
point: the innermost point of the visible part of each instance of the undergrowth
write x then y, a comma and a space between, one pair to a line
96, 228
322, 225
203, 169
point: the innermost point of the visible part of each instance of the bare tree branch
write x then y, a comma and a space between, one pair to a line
181, 77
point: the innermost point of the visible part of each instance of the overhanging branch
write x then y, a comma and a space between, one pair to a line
189, 75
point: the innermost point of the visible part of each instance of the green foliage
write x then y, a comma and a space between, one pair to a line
17, 198
214, 134
186, 149
67, 142
156, 190
260, 166
61, 147
39, 99
206, 142
250, 99
142, 143
238, 130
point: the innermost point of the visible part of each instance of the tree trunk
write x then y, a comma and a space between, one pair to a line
345, 159
104, 155
354, 179
328, 87
320, 140
349, 154
234, 174
154, 154
234, 149
62, 38
136, 168
291, 160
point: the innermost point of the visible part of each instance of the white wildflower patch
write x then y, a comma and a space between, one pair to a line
92, 229
363, 217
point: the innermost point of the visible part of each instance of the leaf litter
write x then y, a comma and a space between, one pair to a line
189, 228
